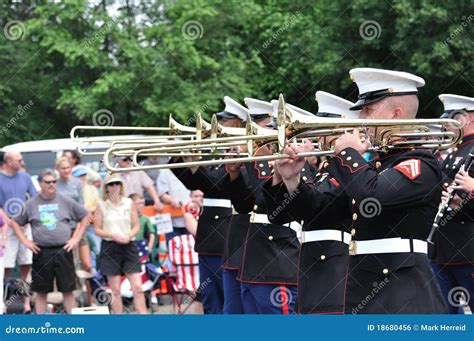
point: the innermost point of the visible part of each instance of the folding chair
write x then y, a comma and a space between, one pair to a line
185, 267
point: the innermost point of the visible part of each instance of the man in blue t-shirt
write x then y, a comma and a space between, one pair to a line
15, 188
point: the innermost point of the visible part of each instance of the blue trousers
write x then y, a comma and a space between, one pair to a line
268, 298
232, 292
211, 287
454, 279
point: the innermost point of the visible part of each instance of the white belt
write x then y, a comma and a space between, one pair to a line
321, 235
217, 203
389, 245
258, 218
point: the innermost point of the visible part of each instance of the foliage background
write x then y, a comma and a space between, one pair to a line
62, 62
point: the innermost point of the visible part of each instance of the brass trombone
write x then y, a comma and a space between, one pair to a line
175, 130
385, 135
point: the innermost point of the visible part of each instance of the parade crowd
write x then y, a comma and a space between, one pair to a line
342, 234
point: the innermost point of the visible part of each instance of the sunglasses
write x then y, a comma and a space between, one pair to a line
49, 182
115, 183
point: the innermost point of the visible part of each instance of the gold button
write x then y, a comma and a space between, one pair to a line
303, 170
446, 166
450, 156
318, 174
260, 165
385, 271
353, 232
462, 222
355, 165
323, 257
305, 178
446, 184
349, 158
378, 164
343, 152
216, 217
264, 173
270, 237
326, 164
353, 201
255, 207
354, 216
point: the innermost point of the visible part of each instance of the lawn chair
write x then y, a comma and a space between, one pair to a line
186, 272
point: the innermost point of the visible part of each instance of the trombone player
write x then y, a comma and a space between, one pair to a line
268, 272
393, 197
324, 256
213, 224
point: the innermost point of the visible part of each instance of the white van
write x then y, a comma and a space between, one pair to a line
42, 154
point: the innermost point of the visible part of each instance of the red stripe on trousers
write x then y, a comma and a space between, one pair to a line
284, 300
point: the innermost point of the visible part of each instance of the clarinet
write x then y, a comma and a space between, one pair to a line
444, 205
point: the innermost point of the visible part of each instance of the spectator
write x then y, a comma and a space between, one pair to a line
117, 224
15, 188
49, 215
193, 210
197, 196
152, 173
3, 241
68, 185
138, 182
91, 200
173, 192
147, 230
75, 160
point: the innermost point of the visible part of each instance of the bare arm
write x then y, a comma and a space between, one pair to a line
191, 223
98, 225
21, 236
135, 221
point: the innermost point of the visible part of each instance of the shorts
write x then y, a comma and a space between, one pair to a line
118, 259
15, 252
52, 263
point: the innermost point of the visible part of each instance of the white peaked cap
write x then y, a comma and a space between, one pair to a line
291, 108
258, 107
456, 102
376, 84
335, 105
234, 108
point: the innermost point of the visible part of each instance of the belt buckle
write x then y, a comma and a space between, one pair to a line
252, 217
352, 248
302, 237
